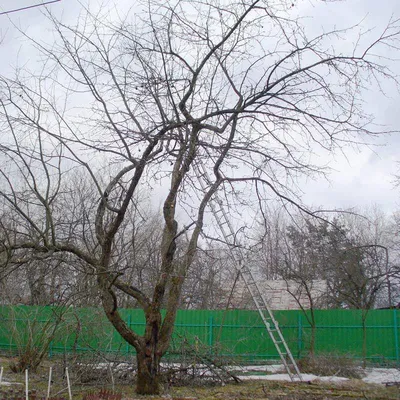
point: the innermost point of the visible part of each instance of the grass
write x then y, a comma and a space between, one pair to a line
274, 390
248, 390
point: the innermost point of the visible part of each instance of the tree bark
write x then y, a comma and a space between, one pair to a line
148, 367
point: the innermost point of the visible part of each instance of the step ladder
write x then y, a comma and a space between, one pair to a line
236, 252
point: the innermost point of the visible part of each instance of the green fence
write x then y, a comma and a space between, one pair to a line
235, 333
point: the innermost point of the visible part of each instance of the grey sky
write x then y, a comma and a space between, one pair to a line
365, 176
361, 178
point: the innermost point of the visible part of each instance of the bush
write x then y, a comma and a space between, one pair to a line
331, 364
32, 334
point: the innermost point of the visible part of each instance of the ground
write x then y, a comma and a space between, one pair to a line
274, 390
258, 383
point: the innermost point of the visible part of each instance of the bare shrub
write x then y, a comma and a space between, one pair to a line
331, 364
197, 365
102, 373
32, 334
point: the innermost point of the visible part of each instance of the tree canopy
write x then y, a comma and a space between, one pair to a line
237, 87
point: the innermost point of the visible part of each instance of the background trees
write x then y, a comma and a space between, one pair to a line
238, 87
352, 253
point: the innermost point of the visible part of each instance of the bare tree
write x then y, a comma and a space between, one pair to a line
394, 287
208, 282
341, 262
364, 259
236, 86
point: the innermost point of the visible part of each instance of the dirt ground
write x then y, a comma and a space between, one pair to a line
275, 390
272, 390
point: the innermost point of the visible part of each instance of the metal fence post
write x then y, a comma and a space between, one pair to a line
299, 336
396, 335
127, 346
210, 332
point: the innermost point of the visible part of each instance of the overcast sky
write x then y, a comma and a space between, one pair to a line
361, 177
365, 176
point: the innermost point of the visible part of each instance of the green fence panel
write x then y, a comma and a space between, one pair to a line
239, 334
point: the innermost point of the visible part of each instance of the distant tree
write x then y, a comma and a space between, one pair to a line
354, 266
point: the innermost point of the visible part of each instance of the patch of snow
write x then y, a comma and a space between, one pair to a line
179, 365
373, 375
275, 368
286, 377
105, 366
382, 375
275, 377
272, 372
329, 378
272, 369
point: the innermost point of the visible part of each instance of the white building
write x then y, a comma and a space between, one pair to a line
282, 295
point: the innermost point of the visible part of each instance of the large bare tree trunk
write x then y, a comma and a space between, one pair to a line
148, 375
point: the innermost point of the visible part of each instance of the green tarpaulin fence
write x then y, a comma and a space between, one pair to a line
239, 334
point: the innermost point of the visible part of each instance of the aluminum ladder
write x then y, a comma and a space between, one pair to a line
237, 255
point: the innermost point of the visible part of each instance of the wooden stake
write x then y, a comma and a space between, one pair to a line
49, 385
68, 383
26, 385
1, 374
